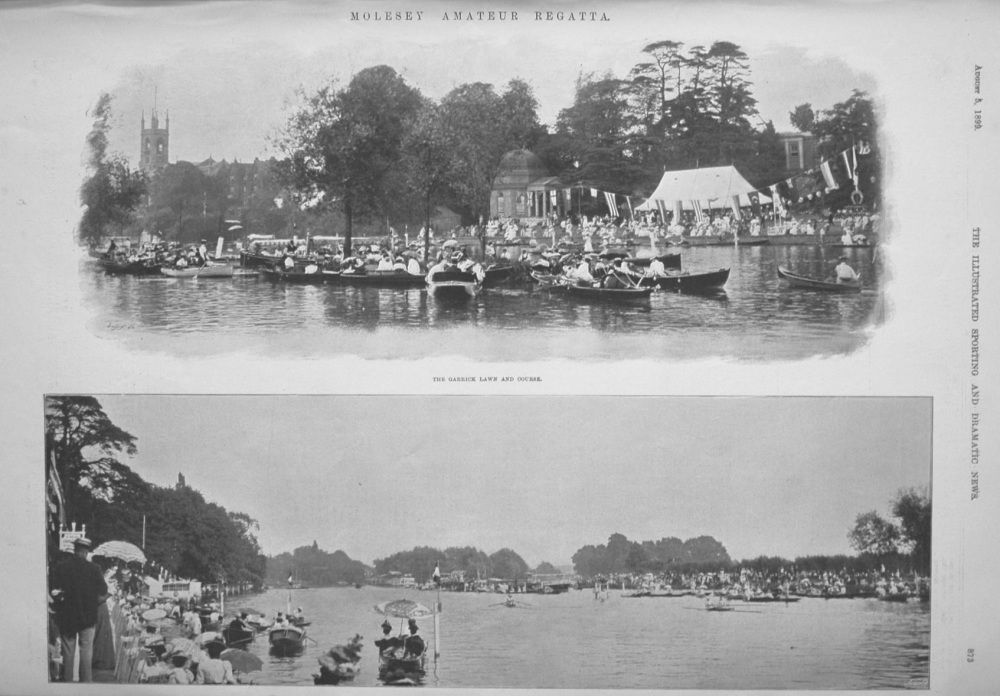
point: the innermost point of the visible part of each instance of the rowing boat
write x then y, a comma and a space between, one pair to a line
799, 281
668, 260
609, 294
494, 275
299, 277
384, 279
286, 640
216, 271
451, 285
709, 281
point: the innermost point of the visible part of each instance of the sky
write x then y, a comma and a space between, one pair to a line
545, 476
228, 71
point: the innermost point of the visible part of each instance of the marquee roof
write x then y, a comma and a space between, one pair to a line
713, 186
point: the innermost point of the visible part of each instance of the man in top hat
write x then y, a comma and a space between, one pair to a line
78, 587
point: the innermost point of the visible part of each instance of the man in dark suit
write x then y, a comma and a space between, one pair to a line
78, 587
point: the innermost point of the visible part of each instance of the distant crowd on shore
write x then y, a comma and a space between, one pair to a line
748, 581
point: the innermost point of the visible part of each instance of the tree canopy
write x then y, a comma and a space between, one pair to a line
910, 533
112, 192
185, 534
342, 143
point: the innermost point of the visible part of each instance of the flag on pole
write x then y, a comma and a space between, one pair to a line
593, 192
754, 197
289, 578
628, 202
736, 208
776, 199
437, 574
612, 206
847, 164
854, 169
824, 167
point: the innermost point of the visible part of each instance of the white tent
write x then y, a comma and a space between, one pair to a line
713, 187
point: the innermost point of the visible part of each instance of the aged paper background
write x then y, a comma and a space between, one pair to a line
941, 183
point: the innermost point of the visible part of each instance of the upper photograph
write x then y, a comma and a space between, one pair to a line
413, 184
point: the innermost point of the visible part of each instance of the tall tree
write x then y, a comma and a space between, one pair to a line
874, 535
428, 162
912, 507
473, 116
86, 446
520, 115
112, 192
341, 144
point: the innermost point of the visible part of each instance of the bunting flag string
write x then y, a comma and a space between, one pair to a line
698, 214
807, 185
831, 183
736, 208
661, 205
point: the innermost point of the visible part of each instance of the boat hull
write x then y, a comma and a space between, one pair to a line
710, 281
798, 281
133, 268
668, 260
286, 640
219, 271
609, 294
299, 278
452, 285
384, 279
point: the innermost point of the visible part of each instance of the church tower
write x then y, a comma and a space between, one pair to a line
154, 143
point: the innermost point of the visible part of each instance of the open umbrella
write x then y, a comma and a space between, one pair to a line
403, 609
208, 637
184, 646
153, 614
241, 660
122, 550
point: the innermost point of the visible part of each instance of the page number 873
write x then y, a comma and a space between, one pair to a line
970, 655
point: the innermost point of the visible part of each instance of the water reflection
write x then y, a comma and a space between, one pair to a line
756, 315
571, 641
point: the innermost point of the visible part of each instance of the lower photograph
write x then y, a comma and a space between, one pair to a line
489, 541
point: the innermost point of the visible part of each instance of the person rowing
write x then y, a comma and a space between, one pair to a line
844, 273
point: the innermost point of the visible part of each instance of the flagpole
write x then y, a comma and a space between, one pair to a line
437, 615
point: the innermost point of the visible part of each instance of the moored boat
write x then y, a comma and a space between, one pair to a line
495, 275
384, 279
215, 271
800, 281
668, 260
708, 281
452, 284
300, 277
144, 267
237, 637
609, 294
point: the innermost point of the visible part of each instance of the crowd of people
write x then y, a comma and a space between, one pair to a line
750, 582
178, 640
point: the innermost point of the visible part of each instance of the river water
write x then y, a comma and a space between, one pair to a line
757, 317
574, 641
